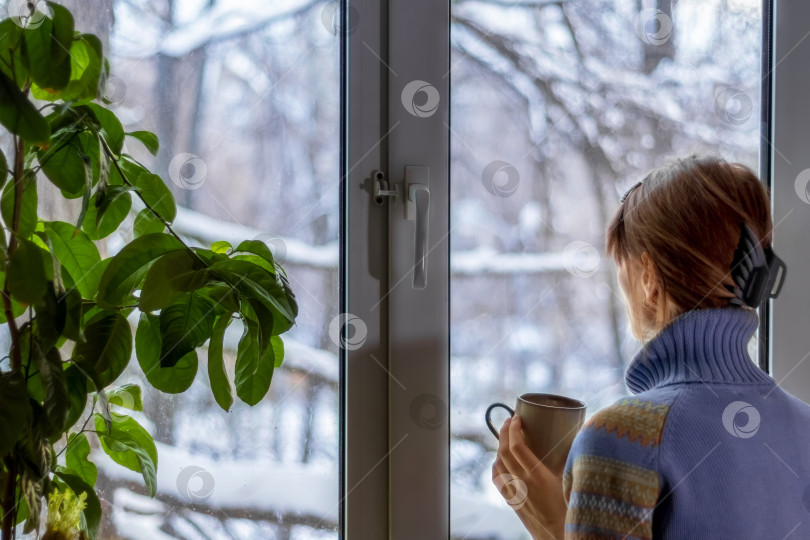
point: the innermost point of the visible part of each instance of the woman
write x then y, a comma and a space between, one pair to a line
708, 446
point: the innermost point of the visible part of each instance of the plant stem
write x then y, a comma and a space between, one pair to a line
9, 496
30, 340
16, 359
82, 430
148, 206
8, 503
155, 212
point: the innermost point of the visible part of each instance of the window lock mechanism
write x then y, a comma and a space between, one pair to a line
381, 190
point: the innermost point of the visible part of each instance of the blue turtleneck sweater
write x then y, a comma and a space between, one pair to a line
707, 447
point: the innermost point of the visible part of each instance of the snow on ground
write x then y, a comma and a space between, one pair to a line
273, 487
292, 488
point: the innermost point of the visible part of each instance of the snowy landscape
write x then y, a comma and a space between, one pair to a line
557, 107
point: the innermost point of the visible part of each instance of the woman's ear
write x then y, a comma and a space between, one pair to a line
649, 281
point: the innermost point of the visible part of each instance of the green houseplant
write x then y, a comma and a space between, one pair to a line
67, 309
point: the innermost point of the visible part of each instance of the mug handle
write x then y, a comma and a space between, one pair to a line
489, 420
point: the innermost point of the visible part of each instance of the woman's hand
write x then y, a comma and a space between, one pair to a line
530, 488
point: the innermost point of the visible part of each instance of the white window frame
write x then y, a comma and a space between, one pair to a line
788, 139
395, 477
395, 405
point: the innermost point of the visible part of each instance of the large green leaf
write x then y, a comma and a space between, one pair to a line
78, 255
36, 390
220, 384
131, 169
57, 399
15, 412
149, 140
16, 308
259, 248
255, 259
11, 39
111, 215
62, 32
26, 277
52, 81
107, 195
254, 370
19, 115
256, 282
130, 445
92, 512
127, 396
171, 380
77, 389
28, 210
146, 222
34, 451
278, 350
111, 127
184, 326
258, 313
51, 315
221, 246
73, 313
107, 349
33, 496
65, 119
85, 68
76, 458
45, 49
169, 277
209, 257
64, 164
225, 297
156, 194
127, 268
3, 169
22, 508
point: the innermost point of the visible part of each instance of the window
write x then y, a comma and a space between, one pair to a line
245, 100
436, 178
557, 108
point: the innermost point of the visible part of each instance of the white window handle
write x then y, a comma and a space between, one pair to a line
419, 197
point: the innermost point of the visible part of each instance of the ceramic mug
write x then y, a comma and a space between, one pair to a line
550, 423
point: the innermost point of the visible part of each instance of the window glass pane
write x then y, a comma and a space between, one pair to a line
245, 99
557, 108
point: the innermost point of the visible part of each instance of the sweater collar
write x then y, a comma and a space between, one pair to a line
708, 345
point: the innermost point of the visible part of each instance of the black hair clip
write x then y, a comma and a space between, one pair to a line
757, 272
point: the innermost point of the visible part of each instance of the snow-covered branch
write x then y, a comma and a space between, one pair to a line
208, 230
222, 24
480, 261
